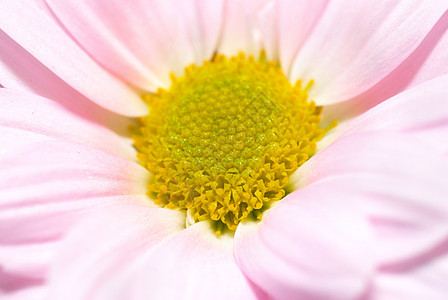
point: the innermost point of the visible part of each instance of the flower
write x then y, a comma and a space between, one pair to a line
368, 214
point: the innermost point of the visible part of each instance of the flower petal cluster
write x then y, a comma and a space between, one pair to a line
368, 216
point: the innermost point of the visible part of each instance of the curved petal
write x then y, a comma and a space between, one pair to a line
48, 182
431, 65
27, 112
358, 43
427, 282
194, 264
402, 189
365, 180
23, 266
46, 186
285, 26
421, 111
166, 262
425, 63
32, 293
40, 34
112, 241
144, 41
240, 29
313, 245
20, 71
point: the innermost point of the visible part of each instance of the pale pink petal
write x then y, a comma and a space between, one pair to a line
144, 253
32, 26
358, 43
144, 41
240, 31
32, 293
267, 24
23, 269
194, 264
285, 26
425, 63
421, 111
41, 116
313, 245
20, 71
23, 265
432, 64
45, 185
98, 259
385, 182
422, 282
402, 189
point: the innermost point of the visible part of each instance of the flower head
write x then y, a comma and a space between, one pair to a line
356, 211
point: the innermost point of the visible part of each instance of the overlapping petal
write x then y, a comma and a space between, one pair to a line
22, 111
313, 245
199, 264
24, 268
421, 66
42, 36
47, 185
356, 44
31, 293
370, 184
420, 282
420, 111
104, 267
22, 72
405, 188
240, 30
369, 215
285, 26
144, 42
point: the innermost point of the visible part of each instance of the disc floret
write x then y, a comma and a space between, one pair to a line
223, 140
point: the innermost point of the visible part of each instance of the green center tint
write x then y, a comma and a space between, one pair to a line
223, 140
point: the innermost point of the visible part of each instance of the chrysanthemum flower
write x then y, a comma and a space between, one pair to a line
253, 193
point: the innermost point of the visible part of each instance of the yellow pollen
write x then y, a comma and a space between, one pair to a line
223, 140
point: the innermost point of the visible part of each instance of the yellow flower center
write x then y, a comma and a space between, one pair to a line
223, 140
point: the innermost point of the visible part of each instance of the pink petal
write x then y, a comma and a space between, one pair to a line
313, 245
240, 31
421, 111
99, 257
21, 111
24, 265
427, 282
40, 34
431, 63
20, 71
144, 41
385, 182
45, 185
285, 26
402, 189
143, 253
32, 293
425, 63
356, 44
194, 264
